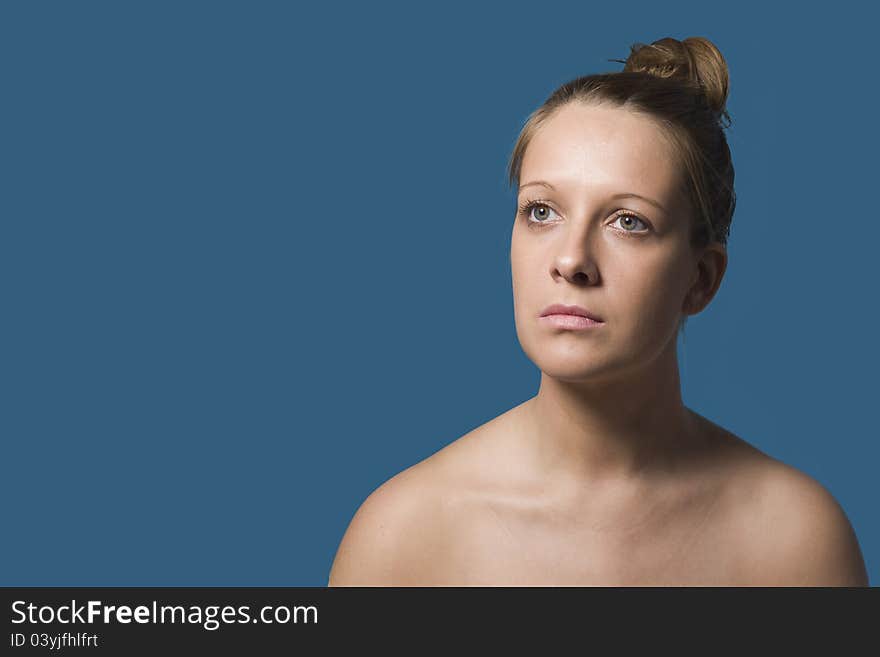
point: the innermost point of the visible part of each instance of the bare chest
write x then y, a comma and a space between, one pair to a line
694, 546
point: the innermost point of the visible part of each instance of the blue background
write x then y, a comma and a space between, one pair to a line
255, 261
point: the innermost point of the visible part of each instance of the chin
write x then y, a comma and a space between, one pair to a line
574, 360
570, 365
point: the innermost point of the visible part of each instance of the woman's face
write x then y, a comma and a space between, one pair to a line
623, 259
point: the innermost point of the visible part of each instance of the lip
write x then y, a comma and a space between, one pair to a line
570, 322
558, 309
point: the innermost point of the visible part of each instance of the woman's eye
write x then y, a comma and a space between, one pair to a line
542, 214
628, 221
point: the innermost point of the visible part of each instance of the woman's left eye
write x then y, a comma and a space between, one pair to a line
630, 220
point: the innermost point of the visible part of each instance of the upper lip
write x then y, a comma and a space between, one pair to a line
561, 309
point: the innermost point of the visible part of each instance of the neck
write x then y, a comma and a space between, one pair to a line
618, 430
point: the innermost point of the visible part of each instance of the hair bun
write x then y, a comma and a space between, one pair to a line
695, 61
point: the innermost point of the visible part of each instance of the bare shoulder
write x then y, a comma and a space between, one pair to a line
403, 533
796, 533
396, 533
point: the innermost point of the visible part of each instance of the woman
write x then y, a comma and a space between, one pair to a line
625, 198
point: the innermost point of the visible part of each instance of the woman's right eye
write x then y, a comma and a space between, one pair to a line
527, 209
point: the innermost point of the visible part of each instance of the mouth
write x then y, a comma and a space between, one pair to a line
570, 322
571, 313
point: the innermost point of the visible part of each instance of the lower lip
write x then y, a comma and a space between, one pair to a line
570, 321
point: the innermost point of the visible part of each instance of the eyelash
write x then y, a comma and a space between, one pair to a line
527, 207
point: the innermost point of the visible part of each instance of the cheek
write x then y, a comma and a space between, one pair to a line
522, 268
525, 279
523, 296
650, 291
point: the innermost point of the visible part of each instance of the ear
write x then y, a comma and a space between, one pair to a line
710, 268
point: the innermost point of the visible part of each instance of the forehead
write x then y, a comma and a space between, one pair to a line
584, 146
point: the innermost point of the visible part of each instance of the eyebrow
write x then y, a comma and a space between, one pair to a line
621, 195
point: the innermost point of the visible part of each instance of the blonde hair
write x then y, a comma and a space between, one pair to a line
682, 86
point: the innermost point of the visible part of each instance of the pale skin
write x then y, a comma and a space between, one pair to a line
604, 477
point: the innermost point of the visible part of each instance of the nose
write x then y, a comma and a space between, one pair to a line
575, 260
